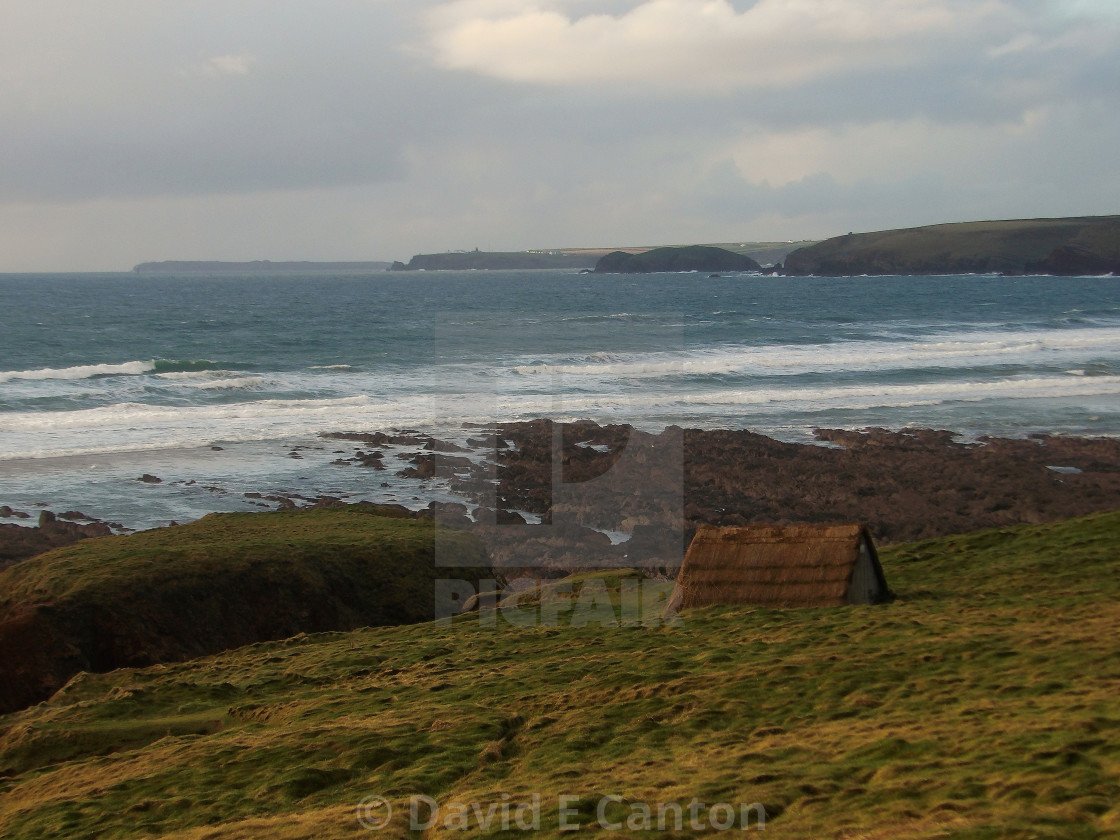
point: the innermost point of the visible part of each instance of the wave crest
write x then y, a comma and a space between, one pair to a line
81, 371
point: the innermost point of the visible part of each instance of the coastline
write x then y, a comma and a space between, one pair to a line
632, 495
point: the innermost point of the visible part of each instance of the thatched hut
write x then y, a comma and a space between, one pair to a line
775, 566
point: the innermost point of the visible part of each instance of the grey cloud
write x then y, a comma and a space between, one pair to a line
281, 109
285, 103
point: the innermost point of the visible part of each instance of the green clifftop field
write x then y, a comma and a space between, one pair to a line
1073, 246
224, 581
983, 703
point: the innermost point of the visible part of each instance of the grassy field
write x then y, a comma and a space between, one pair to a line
222, 582
983, 703
1009, 246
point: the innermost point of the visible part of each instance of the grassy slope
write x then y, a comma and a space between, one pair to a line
222, 582
983, 703
1001, 245
300, 541
766, 253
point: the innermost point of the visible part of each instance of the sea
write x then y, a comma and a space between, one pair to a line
222, 386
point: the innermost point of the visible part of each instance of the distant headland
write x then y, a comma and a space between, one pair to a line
1084, 245
477, 260
758, 254
688, 258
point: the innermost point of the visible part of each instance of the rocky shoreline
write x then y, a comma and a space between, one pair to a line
623, 497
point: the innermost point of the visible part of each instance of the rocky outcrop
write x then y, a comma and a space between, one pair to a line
909, 485
1071, 261
19, 543
689, 258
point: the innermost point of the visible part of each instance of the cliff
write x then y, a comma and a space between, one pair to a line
689, 258
1072, 246
225, 581
495, 261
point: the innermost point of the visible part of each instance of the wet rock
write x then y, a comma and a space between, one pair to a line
148, 478
75, 515
18, 542
407, 438
423, 466
490, 516
487, 442
909, 484
370, 460
435, 445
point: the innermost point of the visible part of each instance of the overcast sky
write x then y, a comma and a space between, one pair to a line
135, 130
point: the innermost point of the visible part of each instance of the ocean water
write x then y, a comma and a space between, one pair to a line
222, 385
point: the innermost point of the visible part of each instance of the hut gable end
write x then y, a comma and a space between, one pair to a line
774, 566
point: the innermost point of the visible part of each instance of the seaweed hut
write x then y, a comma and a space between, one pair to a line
776, 566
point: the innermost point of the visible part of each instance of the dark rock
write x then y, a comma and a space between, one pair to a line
147, 478
427, 466
434, 445
1073, 261
18, 542
488, 442
424, 466
75, 515
375, 439
372, 460
909, 485
691, 258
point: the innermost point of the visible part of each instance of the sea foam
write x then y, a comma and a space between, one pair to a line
80, 371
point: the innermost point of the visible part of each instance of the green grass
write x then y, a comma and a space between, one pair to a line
955, 248
300, 542
221, 582
982, 703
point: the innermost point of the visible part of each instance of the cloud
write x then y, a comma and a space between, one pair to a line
707, 44
227, 65
363, 128
123, 99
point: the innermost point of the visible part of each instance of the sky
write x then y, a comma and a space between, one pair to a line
137, 130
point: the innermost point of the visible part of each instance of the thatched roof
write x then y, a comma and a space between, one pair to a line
775, 566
